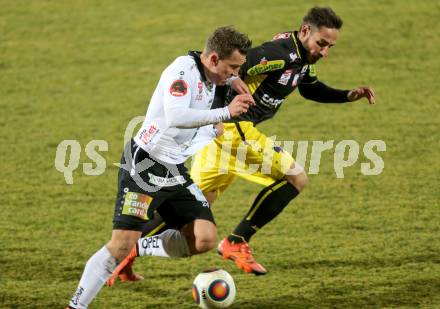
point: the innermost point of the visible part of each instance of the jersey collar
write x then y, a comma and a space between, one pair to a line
196, 56
299, 49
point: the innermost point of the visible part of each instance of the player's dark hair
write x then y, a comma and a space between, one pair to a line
323, 17
225, 40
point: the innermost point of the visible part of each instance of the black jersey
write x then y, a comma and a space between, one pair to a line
272, 71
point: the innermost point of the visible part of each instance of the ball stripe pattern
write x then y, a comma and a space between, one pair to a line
218, 290
195, 294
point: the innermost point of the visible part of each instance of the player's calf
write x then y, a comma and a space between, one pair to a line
269, 203
122, 243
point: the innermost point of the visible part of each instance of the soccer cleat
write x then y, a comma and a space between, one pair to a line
241, 254
125, 271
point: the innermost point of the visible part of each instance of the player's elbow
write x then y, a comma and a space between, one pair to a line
174, 121
306, 91
171, 122
301, 90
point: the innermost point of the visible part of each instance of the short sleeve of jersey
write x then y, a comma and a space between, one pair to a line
264, 59
310, 77
176, 85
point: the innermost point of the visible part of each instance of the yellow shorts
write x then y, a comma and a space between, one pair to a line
257, 159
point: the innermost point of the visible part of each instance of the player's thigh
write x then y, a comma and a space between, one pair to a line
133, 205
186, 206
265, 162
138, 197
209, 171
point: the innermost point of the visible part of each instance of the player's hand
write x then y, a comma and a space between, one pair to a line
239, 86
362, 92
219, 129
240, 104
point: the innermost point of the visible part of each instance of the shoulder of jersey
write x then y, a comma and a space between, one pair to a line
282, 36
182, 75
185, 65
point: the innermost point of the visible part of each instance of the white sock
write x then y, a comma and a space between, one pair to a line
169, 243
98, 269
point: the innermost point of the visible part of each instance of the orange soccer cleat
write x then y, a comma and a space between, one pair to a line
124, 270
241, 254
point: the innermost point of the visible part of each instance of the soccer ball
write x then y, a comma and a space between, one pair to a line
214, 289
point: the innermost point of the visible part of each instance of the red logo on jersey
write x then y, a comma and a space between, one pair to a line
178, 88
200, 85
281, 36
148, 133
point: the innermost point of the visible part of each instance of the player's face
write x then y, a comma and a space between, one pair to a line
317, 42
222, 69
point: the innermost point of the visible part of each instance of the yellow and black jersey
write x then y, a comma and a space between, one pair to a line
273, 70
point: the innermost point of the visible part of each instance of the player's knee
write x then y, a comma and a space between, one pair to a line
299, 180
206, 241
201, 236
205, 244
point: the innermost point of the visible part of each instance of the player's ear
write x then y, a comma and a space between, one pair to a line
214, 59
305, 30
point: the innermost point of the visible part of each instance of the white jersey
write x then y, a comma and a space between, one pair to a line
180, 105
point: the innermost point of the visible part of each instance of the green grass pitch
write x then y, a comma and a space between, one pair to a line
80, 70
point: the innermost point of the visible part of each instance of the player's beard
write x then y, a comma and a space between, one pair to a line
312, 59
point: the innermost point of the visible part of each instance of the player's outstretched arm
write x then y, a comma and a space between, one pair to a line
362, 92
185, 117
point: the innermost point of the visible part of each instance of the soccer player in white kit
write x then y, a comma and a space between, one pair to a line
152, 177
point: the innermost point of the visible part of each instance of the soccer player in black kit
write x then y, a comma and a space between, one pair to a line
271, 72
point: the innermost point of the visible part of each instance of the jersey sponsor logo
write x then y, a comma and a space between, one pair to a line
147, 134
295, 80
269, 101
179, 88
166, 181
150, 242
298, 77
199, 96
304, 68
282, 35
136, 205
284, 79
293, 57
266, 66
